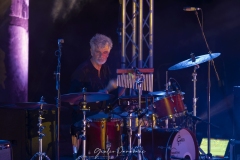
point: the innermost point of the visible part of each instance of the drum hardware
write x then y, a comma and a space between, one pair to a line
81, 99
83, 136
195, 61
208, 57
58, 53
140, 113
40, 154
194, 74
131, 102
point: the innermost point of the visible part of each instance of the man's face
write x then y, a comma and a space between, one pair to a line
100, 55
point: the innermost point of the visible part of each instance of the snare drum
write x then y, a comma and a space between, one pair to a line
170, 106
103, 138
165, 145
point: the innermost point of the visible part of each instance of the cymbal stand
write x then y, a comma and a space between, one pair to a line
167, 86
83, 136
58, 53
40, 154
194, 74
139, 82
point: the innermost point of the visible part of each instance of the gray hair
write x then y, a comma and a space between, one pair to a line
100, 41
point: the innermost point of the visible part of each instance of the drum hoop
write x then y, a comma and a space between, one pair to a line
168, 95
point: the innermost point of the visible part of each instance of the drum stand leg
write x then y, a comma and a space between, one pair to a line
40, 154
202, 153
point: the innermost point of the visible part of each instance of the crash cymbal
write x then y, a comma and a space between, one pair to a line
90, 97
163, 93
198, 60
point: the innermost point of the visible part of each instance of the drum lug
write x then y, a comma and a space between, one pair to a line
102, 124
175, 110
108, 145
172, 99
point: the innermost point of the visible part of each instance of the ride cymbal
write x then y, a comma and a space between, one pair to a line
198, 60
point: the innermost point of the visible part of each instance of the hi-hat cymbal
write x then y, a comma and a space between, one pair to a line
32, 106
90, 97
163, 93
198, 60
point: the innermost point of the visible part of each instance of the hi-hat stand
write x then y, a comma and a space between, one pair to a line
40, 154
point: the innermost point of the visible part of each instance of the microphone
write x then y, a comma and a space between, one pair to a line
191, 9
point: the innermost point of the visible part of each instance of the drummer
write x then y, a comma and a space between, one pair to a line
93, 75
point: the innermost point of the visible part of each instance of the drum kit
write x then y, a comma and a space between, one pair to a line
159, 122
153, 126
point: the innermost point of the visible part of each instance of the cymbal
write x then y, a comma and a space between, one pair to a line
90, 97
33, 106
162, 93
198, 60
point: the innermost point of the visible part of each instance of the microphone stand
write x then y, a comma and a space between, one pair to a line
209, 155
58, 53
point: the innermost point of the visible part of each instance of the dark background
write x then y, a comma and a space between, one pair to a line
176, 35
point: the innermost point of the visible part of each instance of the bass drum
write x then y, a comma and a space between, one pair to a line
166, 145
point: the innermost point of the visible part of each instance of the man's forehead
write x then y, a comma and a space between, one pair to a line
105, 48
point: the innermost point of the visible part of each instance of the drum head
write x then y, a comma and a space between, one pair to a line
184, 145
